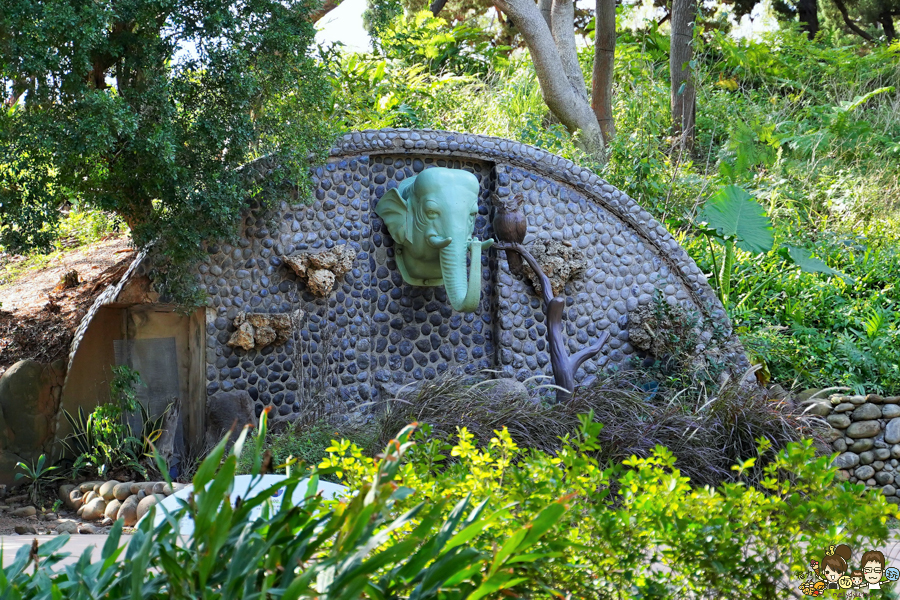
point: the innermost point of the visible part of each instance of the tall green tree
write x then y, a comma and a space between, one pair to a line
148, 108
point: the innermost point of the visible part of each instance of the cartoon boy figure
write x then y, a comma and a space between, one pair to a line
873, 568
858, 583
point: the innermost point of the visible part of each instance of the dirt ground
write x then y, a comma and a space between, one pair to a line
37, 321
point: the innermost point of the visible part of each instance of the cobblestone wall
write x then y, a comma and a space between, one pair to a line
866, 432
374, 333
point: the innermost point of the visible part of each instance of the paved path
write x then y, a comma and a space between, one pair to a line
75, 546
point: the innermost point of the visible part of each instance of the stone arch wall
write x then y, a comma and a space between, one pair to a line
374, 334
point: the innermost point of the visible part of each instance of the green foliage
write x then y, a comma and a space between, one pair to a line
378, 542
431, 41
38, 477
103, 442
431, 520
147, 110
642, 529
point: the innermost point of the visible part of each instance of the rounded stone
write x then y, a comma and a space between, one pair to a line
890, 411
74, 500
94, 510
864, 472
866, 412
866, 458
889, 490
840, 421
882, 454
843, 407
847, 460
862, 445
883, 478
839, 445
144, 505
112, 509
868, 429
128, 511
106, 490
892, 431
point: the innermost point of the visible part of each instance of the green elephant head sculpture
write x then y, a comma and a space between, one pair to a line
431, 217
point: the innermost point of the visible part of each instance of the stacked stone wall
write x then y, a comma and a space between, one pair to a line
865, 430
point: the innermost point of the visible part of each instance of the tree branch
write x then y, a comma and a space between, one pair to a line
437, 6
590, 352
558, 93
327, 7
853, 26
545, 6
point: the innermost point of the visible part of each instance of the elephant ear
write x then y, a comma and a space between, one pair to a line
394, 211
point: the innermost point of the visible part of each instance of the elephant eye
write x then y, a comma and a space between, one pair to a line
431, 214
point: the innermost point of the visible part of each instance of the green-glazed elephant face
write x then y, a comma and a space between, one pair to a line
432, 219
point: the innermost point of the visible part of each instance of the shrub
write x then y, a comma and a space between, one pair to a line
708, 429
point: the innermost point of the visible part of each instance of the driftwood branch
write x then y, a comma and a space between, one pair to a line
437, 6
564, 367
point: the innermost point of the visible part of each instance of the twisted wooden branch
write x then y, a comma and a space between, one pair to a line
564, 367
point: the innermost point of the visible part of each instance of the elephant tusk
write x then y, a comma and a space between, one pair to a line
437, 241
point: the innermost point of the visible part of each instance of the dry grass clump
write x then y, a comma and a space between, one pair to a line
707, 432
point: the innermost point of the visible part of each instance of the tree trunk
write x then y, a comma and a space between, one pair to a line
327, 7
562, 21
683, 95
887, 23
545, 7
809, 17
604, 63
565, 101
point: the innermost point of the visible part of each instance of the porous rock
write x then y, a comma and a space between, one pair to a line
320, 270
258, 330
561, 263
28, 406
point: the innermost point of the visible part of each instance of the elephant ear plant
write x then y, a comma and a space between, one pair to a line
431, 217
370, 544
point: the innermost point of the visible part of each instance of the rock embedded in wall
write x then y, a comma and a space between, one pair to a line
255, 330
865, 431
321, 269
559, 260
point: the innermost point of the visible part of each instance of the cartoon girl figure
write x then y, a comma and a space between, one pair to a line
873, 568
834, 565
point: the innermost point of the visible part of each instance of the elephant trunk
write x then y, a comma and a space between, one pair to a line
464, 297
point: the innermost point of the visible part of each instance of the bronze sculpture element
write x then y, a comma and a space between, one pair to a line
510, 226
